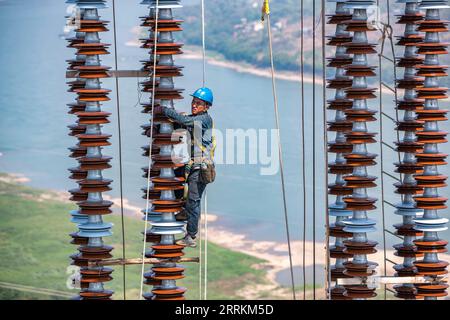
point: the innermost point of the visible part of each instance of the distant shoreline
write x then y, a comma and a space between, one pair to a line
194, 53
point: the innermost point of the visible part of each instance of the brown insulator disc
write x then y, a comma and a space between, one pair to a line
403, 271
338, 41
410, 105
358, 26
359, 160
164, 206
339, 253
355, 182
409, 147
407, 230
94, 140
354, 115
152, 238
162, 139
426, 181
431, 203
335, 168
408, 168
431, 137
175, 181
431, 268
152, 194
92, 95
409, 18
360, 270
431, 246
410, 40
406, 292
432, 93
77, 152
337, 231
360, 48
77, 240
340, 126
95, 253
87, 163
95, 185
409, 62
339, 147
410, 83
96, 275
338, 293
432, 115
96, 295
178, 291
339, 104
410, 125
91, 48
167, 251
76, 84
168, 273
76, 129
439, 290
431, 70
403, 188
92, 26
360, 204
338, 18
357, 137
425, 48
77, 195
338, 62
76, 107
153, 173
339, 190
432, 26
354, 70
339, 83
353, 247
95, 208
93, 117
360, 93
406, 251
93, 72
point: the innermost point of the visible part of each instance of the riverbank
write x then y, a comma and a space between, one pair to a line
215, 59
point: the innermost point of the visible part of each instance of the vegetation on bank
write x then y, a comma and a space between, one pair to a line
35, 250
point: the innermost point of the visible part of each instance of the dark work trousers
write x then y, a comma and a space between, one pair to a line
194, 201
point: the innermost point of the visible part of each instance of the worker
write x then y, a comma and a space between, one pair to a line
200, 170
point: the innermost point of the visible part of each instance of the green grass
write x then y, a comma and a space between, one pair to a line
35, 250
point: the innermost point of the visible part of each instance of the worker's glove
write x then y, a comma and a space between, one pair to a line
158, 110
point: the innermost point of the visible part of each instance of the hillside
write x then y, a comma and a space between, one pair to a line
239, 36
35, 249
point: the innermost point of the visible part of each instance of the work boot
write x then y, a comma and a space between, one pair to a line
187, 241
182, 215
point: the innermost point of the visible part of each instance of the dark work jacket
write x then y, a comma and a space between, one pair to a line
201, 121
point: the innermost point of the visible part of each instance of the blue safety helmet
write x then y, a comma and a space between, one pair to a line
204, 94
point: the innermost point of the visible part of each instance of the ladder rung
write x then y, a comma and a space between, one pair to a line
389, 117
387, 58
387, 202
388, 145
393, 234
390, 175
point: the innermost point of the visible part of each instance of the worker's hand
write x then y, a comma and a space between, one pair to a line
158, 110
